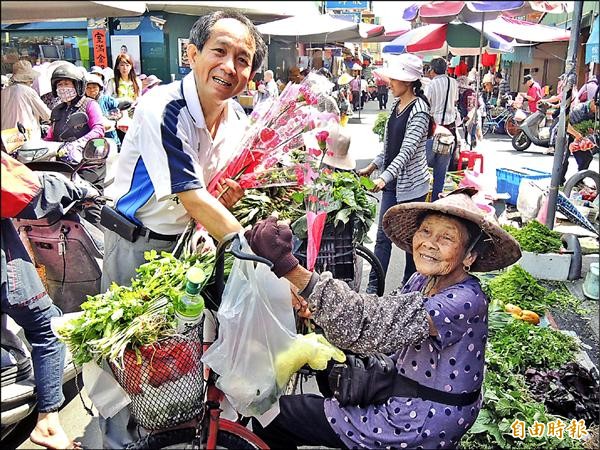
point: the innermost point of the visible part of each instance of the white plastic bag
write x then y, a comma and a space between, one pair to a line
256, 324
103, 390
530, 198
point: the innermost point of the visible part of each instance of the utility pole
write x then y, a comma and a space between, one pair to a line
561, 155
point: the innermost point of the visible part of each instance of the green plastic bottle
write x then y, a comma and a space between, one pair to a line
189, 308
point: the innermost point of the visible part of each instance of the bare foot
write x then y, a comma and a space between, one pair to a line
49, 433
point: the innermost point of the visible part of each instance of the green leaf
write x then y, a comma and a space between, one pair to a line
367, 183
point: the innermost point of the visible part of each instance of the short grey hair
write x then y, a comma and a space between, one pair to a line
438, 65
269, 72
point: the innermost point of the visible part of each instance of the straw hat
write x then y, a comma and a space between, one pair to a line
400, 225
345, 78
404, 67
23, 72
340, 143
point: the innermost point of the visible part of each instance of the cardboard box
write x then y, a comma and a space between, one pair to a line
246, 101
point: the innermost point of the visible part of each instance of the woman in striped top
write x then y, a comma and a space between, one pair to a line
403, 175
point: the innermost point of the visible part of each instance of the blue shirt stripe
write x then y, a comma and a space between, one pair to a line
181, 168
139, 193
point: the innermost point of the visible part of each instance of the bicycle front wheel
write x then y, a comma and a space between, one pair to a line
365, 262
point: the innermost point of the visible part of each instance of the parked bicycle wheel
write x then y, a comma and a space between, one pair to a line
487, 128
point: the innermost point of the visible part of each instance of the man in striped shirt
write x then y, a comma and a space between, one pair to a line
442, 92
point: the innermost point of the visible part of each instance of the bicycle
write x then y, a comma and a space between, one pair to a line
500, 119
208, 429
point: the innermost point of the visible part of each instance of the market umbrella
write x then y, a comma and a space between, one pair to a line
445, 12
458, 38
319, 28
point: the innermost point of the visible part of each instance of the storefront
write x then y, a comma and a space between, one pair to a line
45, 42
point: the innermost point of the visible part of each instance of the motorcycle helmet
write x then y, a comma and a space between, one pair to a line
68, 71
95, 79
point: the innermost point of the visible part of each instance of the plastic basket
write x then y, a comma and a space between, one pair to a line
164, 381
336, 254
508, 180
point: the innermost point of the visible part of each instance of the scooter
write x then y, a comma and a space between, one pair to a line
70, 251
534, 129
36, 151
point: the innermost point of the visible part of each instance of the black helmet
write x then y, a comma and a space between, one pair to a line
68, 71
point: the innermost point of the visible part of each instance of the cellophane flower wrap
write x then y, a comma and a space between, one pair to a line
276, 127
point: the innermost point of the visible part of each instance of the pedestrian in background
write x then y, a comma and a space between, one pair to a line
21, 104
442, 93
403, 175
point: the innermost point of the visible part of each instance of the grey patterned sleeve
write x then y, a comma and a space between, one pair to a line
366, 323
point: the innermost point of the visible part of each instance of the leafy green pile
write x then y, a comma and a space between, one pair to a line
505, 399
380, 124
349, 200
518, 287
536, 237
584, 127
522, 346
134, 315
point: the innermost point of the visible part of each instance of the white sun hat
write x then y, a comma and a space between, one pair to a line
404, 67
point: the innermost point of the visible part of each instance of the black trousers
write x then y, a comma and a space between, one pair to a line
383, 99
96, 176
301, 421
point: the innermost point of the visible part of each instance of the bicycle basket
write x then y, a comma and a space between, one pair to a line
164, 380
336, 254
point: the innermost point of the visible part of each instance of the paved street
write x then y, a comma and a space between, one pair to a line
497, 151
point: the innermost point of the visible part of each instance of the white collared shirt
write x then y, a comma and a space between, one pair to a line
168, 150
436, 93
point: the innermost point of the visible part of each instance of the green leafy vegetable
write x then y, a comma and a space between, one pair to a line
518, 287
380, 125
536, 237
136, 315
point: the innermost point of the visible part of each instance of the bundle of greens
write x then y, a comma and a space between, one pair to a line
136, 315
258, 204
380, 124
585, 127
536, 237
349, 200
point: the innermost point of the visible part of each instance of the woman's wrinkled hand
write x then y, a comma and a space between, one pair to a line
379, 185
229, 192
300, 305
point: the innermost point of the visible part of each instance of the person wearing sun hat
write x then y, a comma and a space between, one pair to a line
402, 164
435, 326
342, 96
21, 103
337, 156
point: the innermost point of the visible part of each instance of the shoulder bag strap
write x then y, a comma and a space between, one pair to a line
446, 102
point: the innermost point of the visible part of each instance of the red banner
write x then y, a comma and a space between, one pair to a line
99, 44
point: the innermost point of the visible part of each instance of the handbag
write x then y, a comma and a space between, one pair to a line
373, 379
443, 144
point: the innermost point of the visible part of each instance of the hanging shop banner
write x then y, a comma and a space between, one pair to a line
99, 44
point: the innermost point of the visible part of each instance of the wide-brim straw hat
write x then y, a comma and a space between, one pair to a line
23, 72
400, 223
344, 78
340, 144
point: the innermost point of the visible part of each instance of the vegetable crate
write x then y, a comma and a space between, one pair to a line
508, 180
164, 380
336, 254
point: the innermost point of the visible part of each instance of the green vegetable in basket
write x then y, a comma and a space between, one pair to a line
136, 315
536, 237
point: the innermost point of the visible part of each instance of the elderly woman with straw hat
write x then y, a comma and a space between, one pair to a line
435, 328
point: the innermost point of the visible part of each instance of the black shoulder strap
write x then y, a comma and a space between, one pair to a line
446, 101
